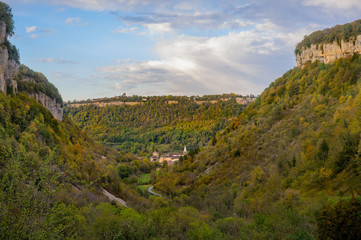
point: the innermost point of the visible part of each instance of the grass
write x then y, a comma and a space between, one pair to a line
143, 188
144, 179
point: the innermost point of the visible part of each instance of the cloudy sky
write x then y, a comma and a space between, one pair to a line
104, 48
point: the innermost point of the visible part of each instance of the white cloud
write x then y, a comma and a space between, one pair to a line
76, 21
125, 30
334, 4
159, 27
100, 5
235, 24
57, 61
30, 29
241, 62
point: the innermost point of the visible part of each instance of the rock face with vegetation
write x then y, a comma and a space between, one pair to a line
341, 41
329, 52
9, 68
35, 84
38, 87
50, 103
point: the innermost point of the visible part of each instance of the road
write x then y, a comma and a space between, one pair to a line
151, 191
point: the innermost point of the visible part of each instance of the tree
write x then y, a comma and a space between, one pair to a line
7, 17
340, 221
123, 171
322, 153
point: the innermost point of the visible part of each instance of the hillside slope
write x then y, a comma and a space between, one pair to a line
297, 148
47, 167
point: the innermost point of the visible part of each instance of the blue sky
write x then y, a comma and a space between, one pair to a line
104, 48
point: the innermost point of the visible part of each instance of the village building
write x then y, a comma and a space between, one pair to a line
170, 158
154, 157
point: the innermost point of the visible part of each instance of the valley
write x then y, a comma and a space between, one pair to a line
283, 165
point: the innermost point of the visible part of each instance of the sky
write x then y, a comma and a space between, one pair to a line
104, 48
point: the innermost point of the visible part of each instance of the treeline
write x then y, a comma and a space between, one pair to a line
157, 124
136, 98
330, 35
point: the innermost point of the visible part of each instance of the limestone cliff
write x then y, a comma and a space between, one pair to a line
4, 56
50, 103
38, 87
10, 77
329, 52
9, 68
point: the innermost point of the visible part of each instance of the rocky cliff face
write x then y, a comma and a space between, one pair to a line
9, 70
50, 103
329, 52
4, 56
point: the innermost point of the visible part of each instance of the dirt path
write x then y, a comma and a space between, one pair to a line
114, 198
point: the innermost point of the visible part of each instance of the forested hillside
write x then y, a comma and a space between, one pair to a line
51, 175
282, 166
44, 166
161, 123
288, 166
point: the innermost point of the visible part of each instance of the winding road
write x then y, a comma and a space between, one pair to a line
154, 193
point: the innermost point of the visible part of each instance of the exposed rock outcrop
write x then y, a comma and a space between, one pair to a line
50, 103
329, 52
9, 70
11, 73
4, 58
2, 32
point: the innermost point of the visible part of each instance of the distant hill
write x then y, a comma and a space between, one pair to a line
142, 125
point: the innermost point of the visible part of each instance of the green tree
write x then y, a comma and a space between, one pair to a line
123, 171
7, 17
340, 221
322, 153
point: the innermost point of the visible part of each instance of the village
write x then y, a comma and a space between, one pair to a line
170, 158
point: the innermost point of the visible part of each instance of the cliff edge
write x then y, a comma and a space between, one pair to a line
329, 52
328, 45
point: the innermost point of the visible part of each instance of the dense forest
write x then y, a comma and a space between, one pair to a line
161, 123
